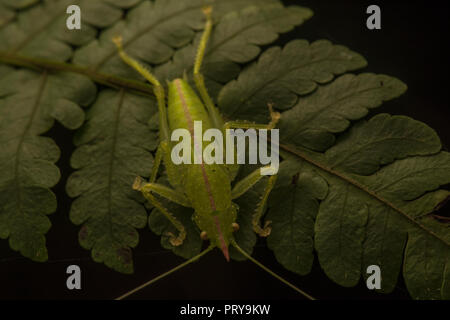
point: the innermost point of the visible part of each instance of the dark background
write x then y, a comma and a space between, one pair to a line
411, 46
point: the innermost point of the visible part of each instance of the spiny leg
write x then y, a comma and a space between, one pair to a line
275, 117
163, 191
198, 77
147, 189
157, 88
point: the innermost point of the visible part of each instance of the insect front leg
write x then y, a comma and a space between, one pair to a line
243, 186
157, 88
198, 77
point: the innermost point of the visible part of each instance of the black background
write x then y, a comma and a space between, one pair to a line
411, 46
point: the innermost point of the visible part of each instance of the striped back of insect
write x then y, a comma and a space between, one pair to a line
185, 107
207, 186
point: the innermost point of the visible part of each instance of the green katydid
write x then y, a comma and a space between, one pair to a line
204, 187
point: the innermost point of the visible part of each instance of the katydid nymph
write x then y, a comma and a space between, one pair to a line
204, 187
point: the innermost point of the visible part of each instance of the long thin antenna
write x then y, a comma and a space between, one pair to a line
201, 254
233, 242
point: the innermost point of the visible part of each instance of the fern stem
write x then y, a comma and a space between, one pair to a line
102, 78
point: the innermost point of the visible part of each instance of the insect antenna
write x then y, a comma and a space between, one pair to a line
193, 259
259, 264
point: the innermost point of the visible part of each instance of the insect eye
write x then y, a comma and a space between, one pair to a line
235, 226
204, 235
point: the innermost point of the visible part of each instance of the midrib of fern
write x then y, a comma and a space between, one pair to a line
349, 180
112, 158
99, 77
19, 151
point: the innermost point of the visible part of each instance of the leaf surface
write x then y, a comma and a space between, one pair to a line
381, 177
293, 208
236, 39
330, 109
27, 161
152, 33
41, 31
354, 190
113, 148
282, 74
370, 219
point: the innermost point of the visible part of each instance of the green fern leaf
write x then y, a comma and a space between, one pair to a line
236, 38
280, 75
358, 192
373, 190
152, 33
113, 149
41, 31
29, 104
329, 109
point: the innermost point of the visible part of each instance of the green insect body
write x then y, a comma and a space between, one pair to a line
204, 187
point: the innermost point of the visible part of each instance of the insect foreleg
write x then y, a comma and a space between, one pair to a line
198, 77
204, 40
157, 88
